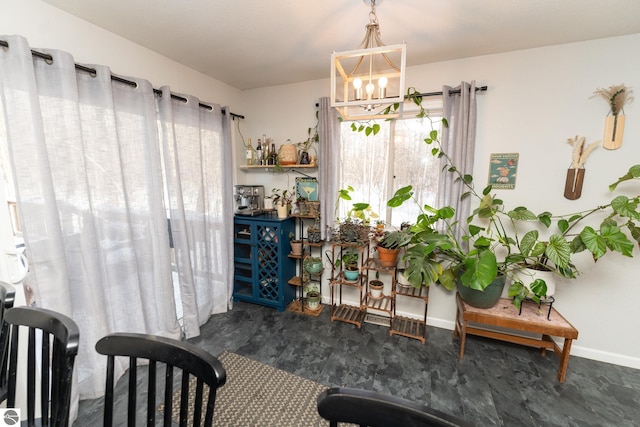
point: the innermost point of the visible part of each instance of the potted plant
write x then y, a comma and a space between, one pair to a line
355, 226
304, 146
296, 244
496, 243
313, 265
313, 299
313, 233
494, 246
375, 288
389, 246
348, 261
282, 200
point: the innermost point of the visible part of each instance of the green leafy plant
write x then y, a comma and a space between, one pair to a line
493, 242
497, 241
292, 237
283, 197
349, 259
395, 239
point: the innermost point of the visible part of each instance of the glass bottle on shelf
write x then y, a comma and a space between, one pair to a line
250, 153
265, 153
259, 152
273, 156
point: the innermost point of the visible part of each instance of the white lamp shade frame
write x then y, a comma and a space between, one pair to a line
369, 65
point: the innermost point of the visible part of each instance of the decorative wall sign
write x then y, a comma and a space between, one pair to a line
617, 97
307, 188
503, 169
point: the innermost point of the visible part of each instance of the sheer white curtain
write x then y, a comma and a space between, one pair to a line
329, 158
87, 164
193, 140
458, 141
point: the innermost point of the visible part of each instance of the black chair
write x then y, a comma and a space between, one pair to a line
193, 361
7, 297
372, 409
52, 338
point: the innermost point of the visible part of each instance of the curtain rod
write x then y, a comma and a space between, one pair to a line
478, 89
89, 70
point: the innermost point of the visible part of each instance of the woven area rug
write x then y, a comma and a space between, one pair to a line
258, 395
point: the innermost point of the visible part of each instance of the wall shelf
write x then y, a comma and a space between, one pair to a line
270, 167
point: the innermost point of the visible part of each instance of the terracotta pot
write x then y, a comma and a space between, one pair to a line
388, 257
296, 248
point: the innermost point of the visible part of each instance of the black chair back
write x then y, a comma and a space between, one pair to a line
7, 297
372, 409
52, 345
192, 361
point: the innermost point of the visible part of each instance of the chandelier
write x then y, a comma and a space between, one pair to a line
366, 81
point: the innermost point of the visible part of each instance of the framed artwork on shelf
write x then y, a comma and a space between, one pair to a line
307, 188
503, 168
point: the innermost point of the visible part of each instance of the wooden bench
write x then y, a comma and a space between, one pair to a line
469, 320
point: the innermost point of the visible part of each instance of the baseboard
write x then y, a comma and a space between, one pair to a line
576, 350
603, 356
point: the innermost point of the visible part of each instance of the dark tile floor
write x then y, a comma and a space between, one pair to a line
497, 384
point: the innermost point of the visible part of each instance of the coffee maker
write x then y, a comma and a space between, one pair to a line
248, 199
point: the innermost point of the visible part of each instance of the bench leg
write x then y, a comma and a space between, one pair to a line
461, 330
564, 359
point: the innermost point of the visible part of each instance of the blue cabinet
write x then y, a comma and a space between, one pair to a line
261, 265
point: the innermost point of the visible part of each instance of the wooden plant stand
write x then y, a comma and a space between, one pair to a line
469, 320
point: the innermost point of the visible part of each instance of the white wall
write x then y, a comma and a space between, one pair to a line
536, 100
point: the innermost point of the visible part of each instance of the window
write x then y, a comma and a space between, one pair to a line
376, 166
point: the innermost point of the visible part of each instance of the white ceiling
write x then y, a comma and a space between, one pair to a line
258, 43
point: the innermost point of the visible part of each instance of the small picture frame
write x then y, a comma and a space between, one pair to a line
307, 188
503, 168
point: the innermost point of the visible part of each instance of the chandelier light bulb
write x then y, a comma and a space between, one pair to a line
382, 85
357, 85
370, 88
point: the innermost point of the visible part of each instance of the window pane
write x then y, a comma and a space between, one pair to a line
376, 166
364, 166
414, 165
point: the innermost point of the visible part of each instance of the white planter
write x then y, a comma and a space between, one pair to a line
268, 204
283, 211
402, 281
375, 289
